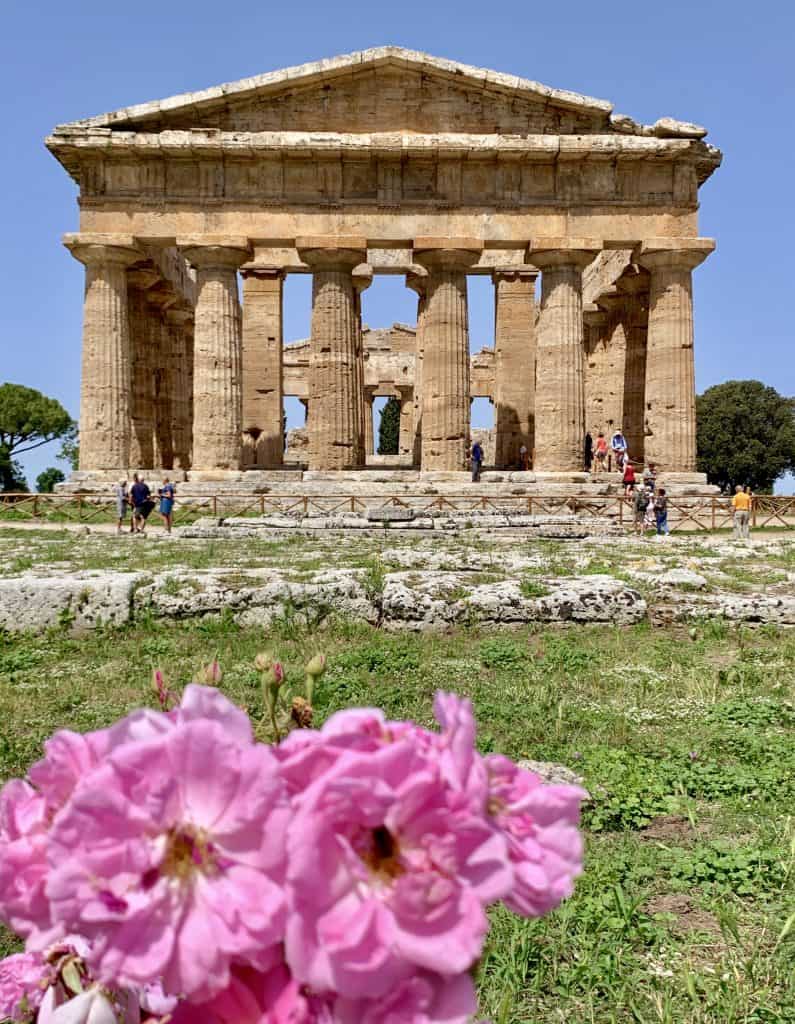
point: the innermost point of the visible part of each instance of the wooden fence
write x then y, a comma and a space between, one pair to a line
684, 513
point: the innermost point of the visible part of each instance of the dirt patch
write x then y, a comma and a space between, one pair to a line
669, 828
686, 917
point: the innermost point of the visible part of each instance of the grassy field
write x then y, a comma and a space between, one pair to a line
685, 738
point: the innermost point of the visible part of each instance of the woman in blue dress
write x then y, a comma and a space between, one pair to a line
166, 495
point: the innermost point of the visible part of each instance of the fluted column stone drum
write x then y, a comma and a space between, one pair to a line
335, 416
515, 364
560, 392
217, 383
670, 422
263, 397
106, 361
445, 365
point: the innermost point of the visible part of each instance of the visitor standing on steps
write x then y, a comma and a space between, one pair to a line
619, 445
741, 503
477, 461
139, 496
661, 512
588, 453
641, 505
122, 501
601, 453
524, 462
166, 495
628, 479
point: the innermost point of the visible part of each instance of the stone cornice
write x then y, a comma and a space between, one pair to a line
203, 142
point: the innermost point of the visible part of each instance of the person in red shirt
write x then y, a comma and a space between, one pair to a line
629, 479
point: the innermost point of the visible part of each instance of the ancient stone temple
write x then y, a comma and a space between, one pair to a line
195, 208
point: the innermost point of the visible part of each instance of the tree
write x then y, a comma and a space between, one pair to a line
70, 447
389, 428
745, 435
12, 476
28, 419
46, 480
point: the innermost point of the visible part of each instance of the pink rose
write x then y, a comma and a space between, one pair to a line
169, 859
23, 978
421, 999
258, 997
407, 869
23, 859
539, 822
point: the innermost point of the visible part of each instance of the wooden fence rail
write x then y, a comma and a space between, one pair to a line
684, 513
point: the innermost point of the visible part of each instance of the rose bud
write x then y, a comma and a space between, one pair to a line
211, 674
317, 666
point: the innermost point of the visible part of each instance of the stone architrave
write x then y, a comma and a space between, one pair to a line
417, 280
142, 389
515, 364
560, 394
263, 397
336, 422
445, 364
670, 421
180, 320
106, 367
217, 387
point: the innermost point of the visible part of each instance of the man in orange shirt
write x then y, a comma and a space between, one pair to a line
741, 503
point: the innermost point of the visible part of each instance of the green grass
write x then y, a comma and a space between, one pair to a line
686, 741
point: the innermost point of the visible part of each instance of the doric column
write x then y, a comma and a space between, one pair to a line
595, 327
369, 439
263, 394
614, 362
180, 322
406, 435
336, 422
560, 396
106, 369
515, 364
142, 400
217, 392
670, 425
417, 280
445, 365
362, 279
634, 286
161, 297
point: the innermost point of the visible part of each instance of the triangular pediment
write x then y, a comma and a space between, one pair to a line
387, 89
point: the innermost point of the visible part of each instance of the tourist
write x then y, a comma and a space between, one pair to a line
588, 453
122, 501
139, 496
619, 445
741, 503
601, 453
641, 507
166, 495
650, 521
661, 512
650, 476
628, 479
477, 461
524, 461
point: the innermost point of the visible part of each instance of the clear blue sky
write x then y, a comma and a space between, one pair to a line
727, 65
